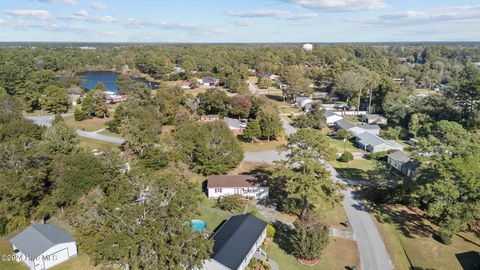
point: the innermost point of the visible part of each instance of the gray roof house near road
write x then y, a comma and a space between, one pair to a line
235, 242
42, 246
356, 128
373, 143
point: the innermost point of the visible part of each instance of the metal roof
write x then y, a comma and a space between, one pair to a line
367, 138
235, 238
38, 238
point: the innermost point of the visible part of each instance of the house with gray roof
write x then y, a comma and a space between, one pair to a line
402, 162
233, 125
356, 129
42, 246
236, 242
373, 143
331, 118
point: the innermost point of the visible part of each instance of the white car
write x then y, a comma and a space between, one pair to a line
243, 123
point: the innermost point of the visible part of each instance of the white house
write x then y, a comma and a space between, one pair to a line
373, 143
209, 81
356, 129
302, 101
374, 119
331, 118
42, 246
235, 243
245, 185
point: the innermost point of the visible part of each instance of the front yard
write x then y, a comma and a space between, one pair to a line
356, 169
409, 239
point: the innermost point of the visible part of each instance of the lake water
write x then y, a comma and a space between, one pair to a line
92, 78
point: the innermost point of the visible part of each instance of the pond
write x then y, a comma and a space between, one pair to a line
92, 78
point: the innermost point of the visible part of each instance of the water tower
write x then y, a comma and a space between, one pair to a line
307, 47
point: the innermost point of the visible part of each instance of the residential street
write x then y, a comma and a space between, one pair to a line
373, 254
47, 121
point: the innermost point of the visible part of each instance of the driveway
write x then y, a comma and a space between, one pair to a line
47, 121
373, 254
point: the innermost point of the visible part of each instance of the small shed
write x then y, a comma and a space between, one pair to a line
42, 246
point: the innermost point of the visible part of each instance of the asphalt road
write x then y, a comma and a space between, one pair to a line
373, 254
47, 121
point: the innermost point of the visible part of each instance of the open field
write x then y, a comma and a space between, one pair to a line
87, 125
96, 144
410, 241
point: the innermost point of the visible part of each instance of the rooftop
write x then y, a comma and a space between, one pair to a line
367, 138
232, 123
345, 124
234, 239
399, 156
236, 181
38, 238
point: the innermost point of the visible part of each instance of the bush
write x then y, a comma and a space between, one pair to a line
346, 157
230, 203
253, 262
310, 238
79, 115
3, 225
270, 231
445, 235
378, 155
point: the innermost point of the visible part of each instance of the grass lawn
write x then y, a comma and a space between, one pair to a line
96, 144
339, 145
355, 169
288, 110
335, 216
6, 249
262, 145
337, 255
409, 238
81, 262
87, 125
109, 133
212, 215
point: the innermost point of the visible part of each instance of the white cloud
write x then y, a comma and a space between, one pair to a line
275, 13
82, 13
243, 23
444, 14
99, 6
340, 5
68, 2
30, 13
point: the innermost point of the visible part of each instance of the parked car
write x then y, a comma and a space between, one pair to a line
243, 123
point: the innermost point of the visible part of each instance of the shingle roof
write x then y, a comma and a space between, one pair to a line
374, 116
38, 238
345, 124
232, 123
369, 127
209, 80
236, 181
235, 238
399, 156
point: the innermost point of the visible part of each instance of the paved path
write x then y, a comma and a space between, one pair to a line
373, 254
47, 121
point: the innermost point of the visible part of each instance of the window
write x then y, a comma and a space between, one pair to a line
218, 190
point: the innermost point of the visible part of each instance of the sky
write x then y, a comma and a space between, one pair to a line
212, 21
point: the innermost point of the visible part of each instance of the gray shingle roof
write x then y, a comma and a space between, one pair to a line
38, 238
374, 116
235, 238
345, 124
329, 113
399, 156
232, 123
369, 127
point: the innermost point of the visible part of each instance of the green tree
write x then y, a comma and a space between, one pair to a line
297, 83
216, 149
55, 100
142, 223
213, 101
270, 122
230, 203
467, 95
252, 131
240, 106
125, 84
100, 104
59, 139
310, 237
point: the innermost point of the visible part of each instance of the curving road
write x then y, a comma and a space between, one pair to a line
373, 254
47, 121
